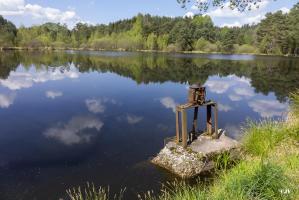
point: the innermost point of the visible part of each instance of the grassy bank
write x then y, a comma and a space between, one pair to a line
268, 169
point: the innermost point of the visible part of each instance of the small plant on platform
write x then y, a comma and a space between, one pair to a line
224, 161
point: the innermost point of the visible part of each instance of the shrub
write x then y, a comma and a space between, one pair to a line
173, 48
245, 48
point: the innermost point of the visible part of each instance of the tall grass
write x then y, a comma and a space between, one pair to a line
177, 190
253, 180
90, 192
261, 137
294, 97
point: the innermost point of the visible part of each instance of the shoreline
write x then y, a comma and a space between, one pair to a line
141, 50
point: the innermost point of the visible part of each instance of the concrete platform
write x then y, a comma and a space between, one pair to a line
197, 157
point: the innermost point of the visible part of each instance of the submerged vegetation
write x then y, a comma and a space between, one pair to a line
276, 34
268, 169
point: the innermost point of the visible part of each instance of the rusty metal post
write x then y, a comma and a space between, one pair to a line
216, 120
194, 126
184, 128
209, 119
177, 127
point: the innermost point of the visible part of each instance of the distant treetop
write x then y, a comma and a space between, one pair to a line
204, 5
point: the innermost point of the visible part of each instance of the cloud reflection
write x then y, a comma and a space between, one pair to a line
268, 108
133, 119
95, 106
168, 102
98, 105
75, 131
218, 86
224, 108
7, 100
19, 80
53, 94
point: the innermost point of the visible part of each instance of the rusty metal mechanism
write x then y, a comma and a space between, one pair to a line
196, 99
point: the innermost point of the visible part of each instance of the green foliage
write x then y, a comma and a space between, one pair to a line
224, 161
276, 34
261, 138
8, 33
295, 102
253, 180
245, 48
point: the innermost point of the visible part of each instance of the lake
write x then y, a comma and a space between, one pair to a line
73, 117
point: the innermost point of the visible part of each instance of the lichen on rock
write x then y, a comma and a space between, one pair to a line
196, 158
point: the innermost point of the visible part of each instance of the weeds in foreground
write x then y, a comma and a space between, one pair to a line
91, 193
177, 190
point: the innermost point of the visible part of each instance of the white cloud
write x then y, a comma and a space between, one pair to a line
168, 102
189, 15
224, 108
268, 108
95, 105
133, 119
234, 18
75, 131
235, 24
7, 100
19, 80
255, 19
19, 7
285, 10
53, 94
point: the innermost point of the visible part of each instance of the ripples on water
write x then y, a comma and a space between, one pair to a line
68, 118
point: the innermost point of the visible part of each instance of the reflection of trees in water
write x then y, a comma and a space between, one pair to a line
268, 74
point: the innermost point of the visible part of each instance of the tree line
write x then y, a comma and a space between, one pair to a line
277, 34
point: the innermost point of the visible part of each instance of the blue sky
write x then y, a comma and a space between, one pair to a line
29, 12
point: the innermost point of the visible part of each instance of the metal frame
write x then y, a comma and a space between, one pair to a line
182, 130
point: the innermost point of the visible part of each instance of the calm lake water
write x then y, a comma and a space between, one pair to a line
72, 117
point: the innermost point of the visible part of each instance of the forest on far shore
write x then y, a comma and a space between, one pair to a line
277, 34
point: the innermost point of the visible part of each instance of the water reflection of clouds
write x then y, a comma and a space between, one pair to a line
98, 105
233, 131
7, 100
240, 89
244, 92
133, 119
19, 80
130, 118
268, 108
220, 85
224, 108
53, 94
169, 103
75, 131
234, 97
